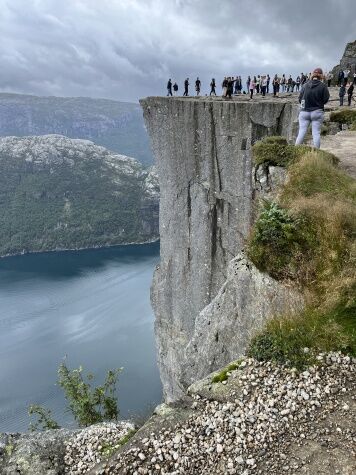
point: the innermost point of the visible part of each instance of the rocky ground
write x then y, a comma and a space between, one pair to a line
264, 419
59, 452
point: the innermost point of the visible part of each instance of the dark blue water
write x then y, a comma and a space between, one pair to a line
92, 306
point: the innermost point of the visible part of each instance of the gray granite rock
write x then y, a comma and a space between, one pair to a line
40, 453
203, 157
224, 328
348, 61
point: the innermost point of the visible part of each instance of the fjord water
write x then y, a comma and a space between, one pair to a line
91, 305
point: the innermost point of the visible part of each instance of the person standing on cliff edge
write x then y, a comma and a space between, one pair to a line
197, 86
186, 86
312, 98
169, 87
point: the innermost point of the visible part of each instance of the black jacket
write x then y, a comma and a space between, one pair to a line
314, 95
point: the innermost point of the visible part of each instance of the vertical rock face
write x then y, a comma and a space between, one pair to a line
202, 150
348, 60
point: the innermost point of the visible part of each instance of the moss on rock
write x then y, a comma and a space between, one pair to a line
224, 374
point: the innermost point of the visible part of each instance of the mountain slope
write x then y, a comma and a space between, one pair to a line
117, 126
60, 193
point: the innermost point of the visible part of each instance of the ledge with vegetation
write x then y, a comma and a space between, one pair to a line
307, 237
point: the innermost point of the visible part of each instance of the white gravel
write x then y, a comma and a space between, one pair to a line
233, 437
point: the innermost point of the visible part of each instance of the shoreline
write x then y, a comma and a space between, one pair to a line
104, 246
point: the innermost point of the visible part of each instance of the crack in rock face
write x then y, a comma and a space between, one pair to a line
202, 149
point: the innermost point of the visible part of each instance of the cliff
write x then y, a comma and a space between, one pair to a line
115, 125
61, 193
202, 148
348, 61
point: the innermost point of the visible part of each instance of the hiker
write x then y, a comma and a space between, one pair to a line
275, 84
252, 86
346, 76
230, 86
297, 83
283, 83
224, 87
340, 78
186, 86
290, 84
236, 86
329, 78
248, 83
239, 85
312, 98
268, 81
169, 88
197, 86
212, 87
263, 85
350, 92
258, 83
342, 92
175, 88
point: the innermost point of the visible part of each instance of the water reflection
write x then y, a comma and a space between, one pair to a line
91, 305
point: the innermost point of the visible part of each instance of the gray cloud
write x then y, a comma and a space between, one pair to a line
126, 49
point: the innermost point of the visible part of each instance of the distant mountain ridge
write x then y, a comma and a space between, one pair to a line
61, 193
115, 125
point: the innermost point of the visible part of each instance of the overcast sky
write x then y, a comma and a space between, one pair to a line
127, 49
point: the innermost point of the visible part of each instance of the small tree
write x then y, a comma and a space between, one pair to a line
89, 405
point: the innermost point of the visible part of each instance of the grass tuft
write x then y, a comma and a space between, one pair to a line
344, 116
271, 151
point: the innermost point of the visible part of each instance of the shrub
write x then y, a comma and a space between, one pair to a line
89, 405
277, 240
344, 116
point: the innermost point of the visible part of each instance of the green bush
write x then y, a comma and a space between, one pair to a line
278, 240
89, 405
344, 116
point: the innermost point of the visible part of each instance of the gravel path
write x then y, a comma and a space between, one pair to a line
272, 422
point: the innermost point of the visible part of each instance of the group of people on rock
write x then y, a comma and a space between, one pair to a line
346, 89
343, 77
313, 94
260, 84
